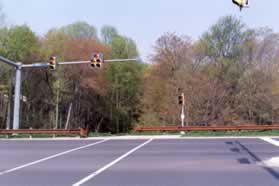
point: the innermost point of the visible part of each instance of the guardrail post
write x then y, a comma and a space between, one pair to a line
30, 135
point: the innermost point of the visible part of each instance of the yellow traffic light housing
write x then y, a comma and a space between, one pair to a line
96, 60
52, 63
181, 99
241, 3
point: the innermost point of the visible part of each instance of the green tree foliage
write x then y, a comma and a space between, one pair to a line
223, 40
108, 33
54, 43
122, 47
5, 74
125, 81
18, 43
2, 17
80, 30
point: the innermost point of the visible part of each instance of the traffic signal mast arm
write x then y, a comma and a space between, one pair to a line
43, 65
39, 65
36, 65
106, 61
9, 62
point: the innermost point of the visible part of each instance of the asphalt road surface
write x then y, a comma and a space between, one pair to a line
141, 162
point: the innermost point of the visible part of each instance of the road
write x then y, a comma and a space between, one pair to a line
139, 162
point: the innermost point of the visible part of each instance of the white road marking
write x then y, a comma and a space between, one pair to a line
50, 157
274, 161
94, 174
272, 141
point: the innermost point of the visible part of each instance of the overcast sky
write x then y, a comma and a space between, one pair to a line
142, 20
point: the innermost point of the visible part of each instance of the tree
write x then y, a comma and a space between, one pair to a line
257, 98
2, 17
125, 81
222, 46
228, 76
172, 66
108, 33
3, 36
54, 43
123, 47
224, 38
80, 30
19, 43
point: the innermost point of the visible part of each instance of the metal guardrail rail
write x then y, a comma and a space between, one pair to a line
207, 128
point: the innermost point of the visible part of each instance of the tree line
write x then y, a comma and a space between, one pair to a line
104, 99
229, 76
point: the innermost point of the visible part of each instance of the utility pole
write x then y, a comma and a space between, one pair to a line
57, 105
181, 102
182, 116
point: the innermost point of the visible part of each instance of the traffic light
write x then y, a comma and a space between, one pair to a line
52, 63
181, 99
241, 3
96, 60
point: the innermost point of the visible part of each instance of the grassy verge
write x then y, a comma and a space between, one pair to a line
153, 133
231, 133
94, 134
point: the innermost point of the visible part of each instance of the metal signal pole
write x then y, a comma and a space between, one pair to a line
17, 97
182, 116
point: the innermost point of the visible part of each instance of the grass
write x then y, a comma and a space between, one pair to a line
153, 133
231, 133
3, 136
94, 134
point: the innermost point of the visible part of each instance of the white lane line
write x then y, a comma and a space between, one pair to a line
273, 161
272, 141
50, 157
94, 174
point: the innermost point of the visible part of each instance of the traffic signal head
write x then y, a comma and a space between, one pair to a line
181, 100
97, 60
241, 3
52, 62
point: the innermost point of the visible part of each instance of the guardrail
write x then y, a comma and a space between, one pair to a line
41, 131
207, 128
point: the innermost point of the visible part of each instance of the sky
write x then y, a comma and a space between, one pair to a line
142, 20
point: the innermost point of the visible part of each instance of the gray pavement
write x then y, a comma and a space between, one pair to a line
67, 169
162, 162
16, 153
